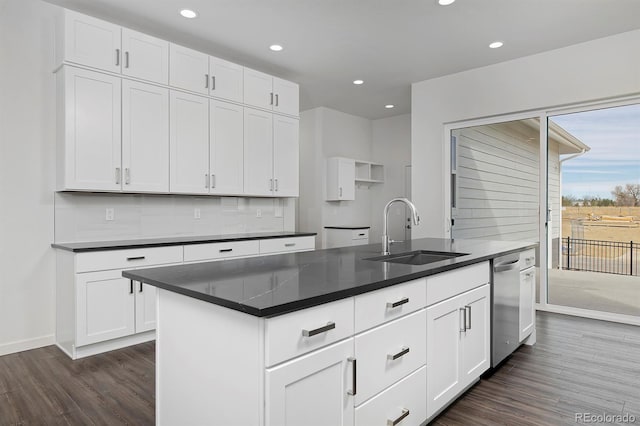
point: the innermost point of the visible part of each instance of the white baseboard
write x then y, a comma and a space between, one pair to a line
27, 344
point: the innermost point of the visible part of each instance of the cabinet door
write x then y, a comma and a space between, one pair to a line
258, 89
527, 301
92, 42
444, 340
346, 179
258, 152
312, 390
145, 57
226, 79
188, 69
285, 156
104, 307
189, 143
286, 97
476, 348
145, 137
145, 307
92, 124
226, 148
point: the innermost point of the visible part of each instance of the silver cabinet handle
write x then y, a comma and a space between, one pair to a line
130, 286
140, 291
213, 180
117, 175
330, 326
129, 259
403, 352
341, 191
404, 414
206, 81
354, 376
127, 176
276, 181
206, 180
271, 101
398, 303
117, 57
467, 317
463, 321
270, 184
213, 82
277, 100
290, 244
126, 59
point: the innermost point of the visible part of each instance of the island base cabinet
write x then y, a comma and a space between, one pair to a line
402, 404
313, 390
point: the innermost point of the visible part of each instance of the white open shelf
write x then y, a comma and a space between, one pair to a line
369, 173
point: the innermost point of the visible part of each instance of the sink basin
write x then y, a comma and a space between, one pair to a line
418, 257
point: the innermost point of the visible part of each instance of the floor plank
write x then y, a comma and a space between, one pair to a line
578, 365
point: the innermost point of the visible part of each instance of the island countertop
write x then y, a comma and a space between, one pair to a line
268, 286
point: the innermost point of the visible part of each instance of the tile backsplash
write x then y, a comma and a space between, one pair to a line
82, 216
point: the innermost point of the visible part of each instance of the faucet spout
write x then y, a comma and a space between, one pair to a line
385, 236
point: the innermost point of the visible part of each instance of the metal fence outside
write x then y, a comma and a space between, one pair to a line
611, 257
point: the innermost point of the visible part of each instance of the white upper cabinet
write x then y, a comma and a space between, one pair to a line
285, 156
145, 137
226, 149
286, 97
89, 141
258, 152
264, 91
89, 41
341, 175
189, 69
145, 57
189, 143
226, 79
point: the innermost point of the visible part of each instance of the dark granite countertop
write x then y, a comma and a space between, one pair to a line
173, 241
347, 227
267, 286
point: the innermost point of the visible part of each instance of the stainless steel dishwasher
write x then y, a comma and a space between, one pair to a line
505, 307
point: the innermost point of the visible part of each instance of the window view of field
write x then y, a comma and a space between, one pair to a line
597, 265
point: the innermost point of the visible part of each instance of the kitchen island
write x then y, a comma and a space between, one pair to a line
322, 337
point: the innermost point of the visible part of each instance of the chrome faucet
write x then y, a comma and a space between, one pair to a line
385, 238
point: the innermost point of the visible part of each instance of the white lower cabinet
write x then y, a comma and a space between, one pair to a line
145, 306
313, 390
527, 302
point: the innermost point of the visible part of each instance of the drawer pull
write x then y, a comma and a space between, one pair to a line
404, 414
354, 376
403, 352
290, 244
361, 235
135, 258
530, 259
226, 250
330, 326
398, 303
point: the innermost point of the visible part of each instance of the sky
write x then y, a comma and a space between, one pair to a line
614, 159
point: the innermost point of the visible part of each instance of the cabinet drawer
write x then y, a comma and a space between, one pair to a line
212, 251
376, 307
360, 234
448, 284
404, 399
282, 245
293, 334
388, 353
126, 259
527, 259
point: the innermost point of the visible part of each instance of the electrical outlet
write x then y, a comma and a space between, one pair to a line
259, 213
196, 213
110, 214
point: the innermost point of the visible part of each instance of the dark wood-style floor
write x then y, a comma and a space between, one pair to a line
578, 365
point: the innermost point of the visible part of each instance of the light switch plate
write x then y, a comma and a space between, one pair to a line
110, 214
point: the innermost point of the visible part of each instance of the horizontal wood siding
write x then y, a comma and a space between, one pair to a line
555, 201
498, 182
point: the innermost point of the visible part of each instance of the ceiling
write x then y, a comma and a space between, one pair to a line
387, 43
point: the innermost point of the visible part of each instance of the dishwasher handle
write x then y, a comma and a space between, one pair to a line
501, 267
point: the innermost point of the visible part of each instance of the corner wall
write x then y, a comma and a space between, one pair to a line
599, 69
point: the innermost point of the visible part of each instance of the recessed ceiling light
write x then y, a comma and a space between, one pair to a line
358, 82
496, 44
389, 106
445, 2
188, 13
276, 47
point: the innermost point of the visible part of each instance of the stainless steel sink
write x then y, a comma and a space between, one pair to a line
417, 257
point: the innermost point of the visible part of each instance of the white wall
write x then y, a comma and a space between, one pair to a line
599, 69
27, 174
